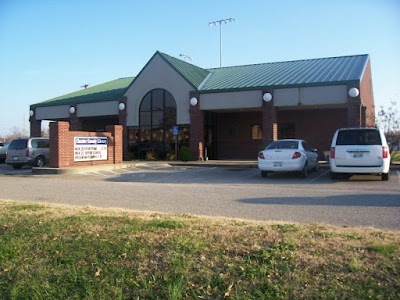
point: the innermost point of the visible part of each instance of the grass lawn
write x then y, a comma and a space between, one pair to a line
395, 156
61, 252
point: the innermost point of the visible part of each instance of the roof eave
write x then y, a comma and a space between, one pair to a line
226, 90
73, 101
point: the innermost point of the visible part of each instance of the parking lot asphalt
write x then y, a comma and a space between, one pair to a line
227, 190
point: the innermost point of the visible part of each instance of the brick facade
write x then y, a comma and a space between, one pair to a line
354, 112
269, 121
75, 122
122, 117
367, 97
62, 145
35, 127
235, 138
316, 126
196, 131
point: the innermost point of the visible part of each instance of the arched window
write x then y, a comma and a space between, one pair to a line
157, 116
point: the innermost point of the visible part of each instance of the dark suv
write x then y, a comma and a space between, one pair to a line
30, 151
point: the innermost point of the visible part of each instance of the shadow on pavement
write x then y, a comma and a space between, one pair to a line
367, 200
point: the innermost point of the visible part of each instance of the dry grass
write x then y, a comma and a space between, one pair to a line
52, 251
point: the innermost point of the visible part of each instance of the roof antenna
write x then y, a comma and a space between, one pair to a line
185, 56
85, 86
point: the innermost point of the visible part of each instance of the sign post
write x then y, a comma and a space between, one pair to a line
175, 132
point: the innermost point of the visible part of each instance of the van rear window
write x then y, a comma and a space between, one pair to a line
359, 137
18, 144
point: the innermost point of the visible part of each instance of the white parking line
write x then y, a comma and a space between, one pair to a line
318, 177
145, 173
255, 173
196, 171
113, 172
123, 171
95, 174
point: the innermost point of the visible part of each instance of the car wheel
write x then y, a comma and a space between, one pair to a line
17, 166
264, 174
304, 172
385, 176
39, 161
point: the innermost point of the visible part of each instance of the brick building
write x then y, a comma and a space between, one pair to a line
221, 113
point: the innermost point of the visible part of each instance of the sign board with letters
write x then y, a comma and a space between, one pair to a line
90, 148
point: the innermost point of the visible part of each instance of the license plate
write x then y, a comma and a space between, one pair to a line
358, 155
277, 164
15, 157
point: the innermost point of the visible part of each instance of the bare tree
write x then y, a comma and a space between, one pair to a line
45, 132
16, 133
389, 120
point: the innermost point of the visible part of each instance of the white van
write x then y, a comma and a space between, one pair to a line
359, 151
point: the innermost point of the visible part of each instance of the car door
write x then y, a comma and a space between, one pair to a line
312, 157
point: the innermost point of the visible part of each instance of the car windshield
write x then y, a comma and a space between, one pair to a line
18, 144
283, 145
359, 137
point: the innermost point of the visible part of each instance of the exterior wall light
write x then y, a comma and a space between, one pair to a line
72, 110
121, 106
354, 92
31, 113
267, 97
193, 101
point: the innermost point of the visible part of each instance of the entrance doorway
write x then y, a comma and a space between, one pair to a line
233, 135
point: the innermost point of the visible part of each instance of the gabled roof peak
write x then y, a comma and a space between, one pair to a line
193, 74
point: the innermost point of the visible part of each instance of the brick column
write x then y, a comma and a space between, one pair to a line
353, 110
269, 121
117, 143
122, 121
196, 130
59, 144
75, 123
35, 127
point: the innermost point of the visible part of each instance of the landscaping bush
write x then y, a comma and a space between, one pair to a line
185, 153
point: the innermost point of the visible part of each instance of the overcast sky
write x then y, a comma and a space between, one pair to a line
50, 48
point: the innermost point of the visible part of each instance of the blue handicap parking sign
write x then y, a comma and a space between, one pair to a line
175, 130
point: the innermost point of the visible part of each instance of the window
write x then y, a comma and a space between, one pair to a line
283, 145
359, 137
307, 147
256, 132
18, 144
157, 115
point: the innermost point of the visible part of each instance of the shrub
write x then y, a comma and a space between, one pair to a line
185, 153
150, 155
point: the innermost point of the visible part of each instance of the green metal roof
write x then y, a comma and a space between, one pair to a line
193, 74
309, 72
323, 71
111, 90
